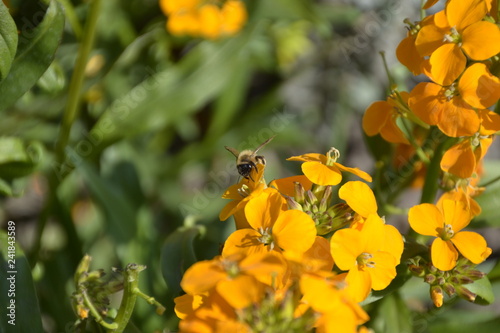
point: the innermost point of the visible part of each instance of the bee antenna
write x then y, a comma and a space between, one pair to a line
263, 144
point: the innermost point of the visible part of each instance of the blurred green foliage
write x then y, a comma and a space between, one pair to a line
142, 173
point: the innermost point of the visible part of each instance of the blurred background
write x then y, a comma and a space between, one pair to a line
146, 163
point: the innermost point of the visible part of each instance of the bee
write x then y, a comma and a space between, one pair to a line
248, 159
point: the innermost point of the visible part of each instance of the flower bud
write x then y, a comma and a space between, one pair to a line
437, 296
466, 293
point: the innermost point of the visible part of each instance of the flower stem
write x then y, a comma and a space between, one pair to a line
69, 116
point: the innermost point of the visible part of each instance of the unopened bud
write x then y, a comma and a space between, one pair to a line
437, 296
292, 204
449, 289
430, 279
466, 293
299, 192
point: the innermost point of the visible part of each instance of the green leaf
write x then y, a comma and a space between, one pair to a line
8, 41
489, 200
5, 188
118, 205
482, 288
177, 255
459, 321
19, 303
176, 92
392, 316
34, 55
18, 159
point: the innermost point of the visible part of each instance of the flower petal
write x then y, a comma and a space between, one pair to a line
202, 276
447, 63
459, 160
360, 173
392, 133
490, 122
458, 119
478, 87
426, 219
241, 291
294, 231
408, 55
243, 241
372, 234
359, 282
471, 245
384, 271
311, 157
393, 242
430, 36
263, 210
359, 197
456, 214
286, 185
481, 40
375, 117
346, 246
321, 174
465, 12
443, 254
425, 102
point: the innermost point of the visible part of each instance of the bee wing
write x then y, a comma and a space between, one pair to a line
233, 151
263, 144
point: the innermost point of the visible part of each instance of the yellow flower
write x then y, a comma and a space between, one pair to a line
329, 297
446, 226
324, 169
240, 194
202, 18
272, 227
239, 279
381, 117
366, 256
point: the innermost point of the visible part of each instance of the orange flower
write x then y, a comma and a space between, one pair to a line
207, 313
446, 226
324, 169
364, 254
407, 52
442, 106
239, 279
240, 194
457, 30
201, 18
273, 228
330, 298
381, 116
462, 159
286, 186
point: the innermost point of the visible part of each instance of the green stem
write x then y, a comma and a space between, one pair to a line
129, 296
69, 116
76, 83
72, 18
98, 318
422, 10
431, 184
389, 76
494, 180
415, 145
407, 171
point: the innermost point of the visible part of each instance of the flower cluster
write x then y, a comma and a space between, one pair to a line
275, 272
457, 48
203, 18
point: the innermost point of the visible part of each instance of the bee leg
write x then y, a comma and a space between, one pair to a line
260, 159
254, 167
